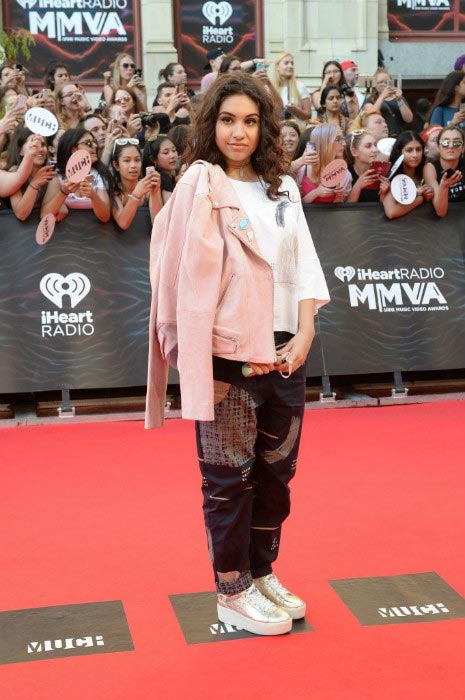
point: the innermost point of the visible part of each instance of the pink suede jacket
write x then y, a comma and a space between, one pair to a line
212, 292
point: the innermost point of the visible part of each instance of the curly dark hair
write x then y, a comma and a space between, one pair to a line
268, 160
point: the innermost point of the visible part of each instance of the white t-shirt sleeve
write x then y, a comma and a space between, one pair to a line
310, 278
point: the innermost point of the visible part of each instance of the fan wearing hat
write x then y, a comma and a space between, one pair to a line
214, 59
350, 72
430, 139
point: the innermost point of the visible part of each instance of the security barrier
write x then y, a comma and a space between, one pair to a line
74, 312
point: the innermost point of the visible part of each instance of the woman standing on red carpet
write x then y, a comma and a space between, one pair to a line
235, 285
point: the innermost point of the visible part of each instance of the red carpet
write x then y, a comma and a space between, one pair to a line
109, 512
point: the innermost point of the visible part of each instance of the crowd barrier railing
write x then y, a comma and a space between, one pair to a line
74, 312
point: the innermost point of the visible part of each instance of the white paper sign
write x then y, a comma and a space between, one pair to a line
403, 189
384, 146
41, 121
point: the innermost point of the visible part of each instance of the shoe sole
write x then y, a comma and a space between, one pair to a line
232, 617
295, 613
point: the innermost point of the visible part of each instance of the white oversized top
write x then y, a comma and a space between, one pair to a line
284, 240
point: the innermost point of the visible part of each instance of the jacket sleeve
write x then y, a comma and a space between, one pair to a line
199, 283
168, 235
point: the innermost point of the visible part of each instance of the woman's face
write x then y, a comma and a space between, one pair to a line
289, 138
450, 145
167, 158
60, 78
234, 66
382, 81
89, 144
127, 68
129, 163
124, 101
285, 67
339, 145
42, 153
178, 75
460, 88
333, 101
70, 97
332, 73
413, 153
9, 99
9, 75
377, 125
237, 130
365, 152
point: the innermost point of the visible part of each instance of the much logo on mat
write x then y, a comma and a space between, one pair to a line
394, 600
62, 631
197, 617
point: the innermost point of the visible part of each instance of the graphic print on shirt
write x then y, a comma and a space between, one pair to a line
285, 265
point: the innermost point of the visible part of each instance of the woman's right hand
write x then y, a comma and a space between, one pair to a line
370, 177
458, 117
9, 123
322, 191
452, 180
43, 176
68, 186
147, 184
388, 93
259, 369
310, 158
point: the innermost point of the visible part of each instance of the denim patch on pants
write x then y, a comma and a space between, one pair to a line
247, 457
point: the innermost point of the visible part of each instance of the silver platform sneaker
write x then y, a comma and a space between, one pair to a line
253, 612
275, 591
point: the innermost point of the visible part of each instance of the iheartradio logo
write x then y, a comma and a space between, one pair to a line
55, 286
213, 10
345, 274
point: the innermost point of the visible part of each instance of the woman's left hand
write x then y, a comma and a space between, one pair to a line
294, 352
384, 186
426, 192
134, 125
137, 84
86, 189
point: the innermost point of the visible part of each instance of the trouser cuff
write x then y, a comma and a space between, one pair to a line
237, 586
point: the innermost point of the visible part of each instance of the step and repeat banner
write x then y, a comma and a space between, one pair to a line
397, 289
84, 34
74, 312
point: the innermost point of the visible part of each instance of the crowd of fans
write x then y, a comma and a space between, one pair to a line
137, 148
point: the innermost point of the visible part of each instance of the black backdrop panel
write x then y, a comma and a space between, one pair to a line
397, 289
94, 337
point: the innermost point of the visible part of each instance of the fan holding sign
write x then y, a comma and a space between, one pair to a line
81, 181
408, 190
29, 195
328, 180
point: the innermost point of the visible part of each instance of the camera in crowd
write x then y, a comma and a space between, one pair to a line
347, 91
150, 119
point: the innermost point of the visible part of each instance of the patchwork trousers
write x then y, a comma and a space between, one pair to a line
247, 458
